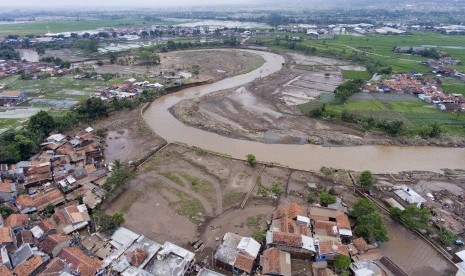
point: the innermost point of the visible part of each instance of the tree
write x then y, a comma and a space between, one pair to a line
6, 211
326, 199
113, 58
342, 263
41, 124
361, 207
251, 160
366, 180
148, 58
49, 209
395, 213
92, 108
371, 227
118, 218
415, 218
311, 197
259, 235
447, 237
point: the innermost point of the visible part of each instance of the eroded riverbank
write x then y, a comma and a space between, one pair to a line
379, 159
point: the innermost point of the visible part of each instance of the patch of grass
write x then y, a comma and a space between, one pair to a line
6, 124
454, 88
171, 176
352, 75
198, 185
233, 197
254, 222
188, 206
414, 114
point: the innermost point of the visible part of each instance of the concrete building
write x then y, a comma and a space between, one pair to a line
237, 254
407, 197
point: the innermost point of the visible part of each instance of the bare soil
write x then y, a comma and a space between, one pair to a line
213, 64
181, 194
128, 137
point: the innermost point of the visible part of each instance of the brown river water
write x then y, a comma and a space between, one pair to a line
378, 159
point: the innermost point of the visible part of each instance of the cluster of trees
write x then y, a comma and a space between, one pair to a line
428, 53
431, 131
20, 144
413, 217
8, 52
146, 57
88, 45
56, 61
347, 89
370, 225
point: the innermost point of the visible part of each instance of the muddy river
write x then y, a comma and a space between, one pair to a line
378, 159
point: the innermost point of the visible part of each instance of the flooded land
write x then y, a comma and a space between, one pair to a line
378, 159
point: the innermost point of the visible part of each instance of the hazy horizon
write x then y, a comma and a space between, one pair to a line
123, 3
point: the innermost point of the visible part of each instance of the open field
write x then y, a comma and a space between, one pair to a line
43, 27
352, 75
414, 113
212, 65
380, 47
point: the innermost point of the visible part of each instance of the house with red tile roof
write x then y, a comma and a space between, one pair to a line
7, 238
328, 250
37, 202
275, 262
17, 220
7, 190
33, 266
290, 231
80, 261
53, 244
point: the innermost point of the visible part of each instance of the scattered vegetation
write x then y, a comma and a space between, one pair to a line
327, 199
251, 160
107, 223
118, 178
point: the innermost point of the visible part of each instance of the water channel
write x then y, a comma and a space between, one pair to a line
378, 159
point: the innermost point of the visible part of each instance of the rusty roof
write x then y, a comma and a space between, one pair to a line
24, 201
25, 236
49, 243
360, 244
54, 268
5, 235
343, 221
5, 187
287, 239
244, 262
28, 267
78, 260
326, 247
291, 210
4, 271
137, 256
271, 261
15, 220
11, 93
